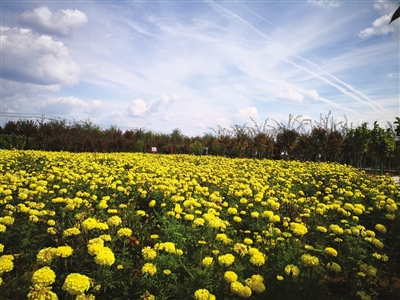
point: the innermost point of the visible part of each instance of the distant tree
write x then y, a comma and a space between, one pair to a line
383, 143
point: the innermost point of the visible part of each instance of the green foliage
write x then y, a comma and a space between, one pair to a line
197, 148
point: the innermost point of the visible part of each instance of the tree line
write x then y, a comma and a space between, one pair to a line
363, 146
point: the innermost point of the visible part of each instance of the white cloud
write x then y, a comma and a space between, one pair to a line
38, 59
379, 27
61, 23
384, 6
244, 115
60, 105
393, 75
138, 108
312, 95
325, 3
290, 96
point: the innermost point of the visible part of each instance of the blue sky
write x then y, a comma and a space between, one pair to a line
197, 65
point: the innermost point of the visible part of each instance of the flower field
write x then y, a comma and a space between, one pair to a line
149, 226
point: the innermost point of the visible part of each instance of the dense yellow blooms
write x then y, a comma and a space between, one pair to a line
233, 214
43, 277
76, 284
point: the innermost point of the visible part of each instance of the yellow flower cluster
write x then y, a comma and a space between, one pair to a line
41, 292
203, 294
76, 284
149, 268
309, 260
6, 263
226, 260
43, 277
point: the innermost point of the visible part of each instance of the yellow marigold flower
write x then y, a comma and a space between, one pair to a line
124, 232
149, 253
147, 296
141, 213
199, 222
149, 268
51, 231
309, 260
230, 276
203, 294
381, 228
64, 251
41, 292
298, 229
120, 267
102, 226
95, 245
51, 222
154, 236
32, 218
241, 249
255, 214
114, 221
152, 203
7, 220
167, 272
377, 243
333, 267
105, 237
169, 247
76, 284
232, 211
336, 229
104, 256
188, 217
71, 231
292, 270
255, 283
43, 276
226, 260
363, 295
239, 289
279, 277
368, 270
89, 224
207, 261
85, 297
248, 241
6, 264
46, 255
237, 219
331, 251
258, 259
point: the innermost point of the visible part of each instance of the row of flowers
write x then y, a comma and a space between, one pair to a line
145, 226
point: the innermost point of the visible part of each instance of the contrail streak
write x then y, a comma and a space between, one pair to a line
369, 102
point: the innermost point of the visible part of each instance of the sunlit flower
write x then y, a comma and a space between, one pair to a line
149, 268
226, 260
309, 260
207, 261
203, 294
149, 253
124, 232
104, 256
292, 270
381, 228
43, 277
331, 251
64, 251
41, 292
230, 276
76, 284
